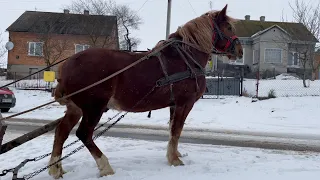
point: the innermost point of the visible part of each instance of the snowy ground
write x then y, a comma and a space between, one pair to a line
283, 88
135, 160
132, 159
295, 115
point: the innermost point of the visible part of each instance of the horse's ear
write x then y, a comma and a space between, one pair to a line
222, 14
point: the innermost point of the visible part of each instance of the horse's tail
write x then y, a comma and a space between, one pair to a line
59, 93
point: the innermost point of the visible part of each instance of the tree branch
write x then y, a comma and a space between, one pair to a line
128, 19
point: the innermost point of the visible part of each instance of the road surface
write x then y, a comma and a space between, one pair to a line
18, 127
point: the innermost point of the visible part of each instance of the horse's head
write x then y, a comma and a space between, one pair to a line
224, 38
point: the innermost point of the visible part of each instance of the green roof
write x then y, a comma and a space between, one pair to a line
247, 28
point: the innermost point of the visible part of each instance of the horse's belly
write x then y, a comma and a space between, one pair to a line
126, 100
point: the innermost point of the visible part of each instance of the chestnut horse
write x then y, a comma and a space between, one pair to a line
198, 38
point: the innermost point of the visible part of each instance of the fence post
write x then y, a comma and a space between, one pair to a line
3, 128
218, 92
241, 81
15, 78
257, 84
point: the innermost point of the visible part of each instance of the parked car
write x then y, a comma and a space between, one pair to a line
7, 99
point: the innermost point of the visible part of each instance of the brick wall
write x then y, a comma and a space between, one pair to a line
20, 62
19, 54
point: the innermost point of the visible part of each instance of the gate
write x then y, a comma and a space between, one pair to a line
225, 86
226, 81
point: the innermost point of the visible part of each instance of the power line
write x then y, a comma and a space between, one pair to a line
192, 7
142, 5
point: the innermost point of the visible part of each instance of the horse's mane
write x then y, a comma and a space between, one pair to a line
199, 31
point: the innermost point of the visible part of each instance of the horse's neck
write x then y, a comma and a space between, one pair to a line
201, 57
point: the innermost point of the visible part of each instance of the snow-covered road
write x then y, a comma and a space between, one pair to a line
139, 159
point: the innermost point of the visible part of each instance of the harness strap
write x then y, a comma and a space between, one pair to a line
164, 70
193, 73
176, 77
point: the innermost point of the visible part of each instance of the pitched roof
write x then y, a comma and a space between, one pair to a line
62, 23
247, 28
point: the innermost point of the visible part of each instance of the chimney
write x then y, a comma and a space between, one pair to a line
247, 17
66, 11
262, 18
86, 12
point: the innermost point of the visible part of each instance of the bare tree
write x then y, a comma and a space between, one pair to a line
127, 19
52, 47
2, 47
309, 16
2, 51
96, 31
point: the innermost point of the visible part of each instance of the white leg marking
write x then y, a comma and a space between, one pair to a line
172, 154
56, 170
104, 166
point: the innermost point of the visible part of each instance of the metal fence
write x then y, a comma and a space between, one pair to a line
219, 83
34, 82
290, 84
223, 86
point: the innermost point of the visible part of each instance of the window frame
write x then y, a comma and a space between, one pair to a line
265, 53
82, 47
34, 43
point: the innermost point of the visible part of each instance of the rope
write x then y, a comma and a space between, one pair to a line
94, 84
34, 73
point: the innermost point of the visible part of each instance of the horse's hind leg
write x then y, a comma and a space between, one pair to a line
179, 115
91, 117
72, 116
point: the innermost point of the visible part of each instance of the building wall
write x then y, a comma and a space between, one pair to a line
274, 38
18, 71
247, 54
19, 62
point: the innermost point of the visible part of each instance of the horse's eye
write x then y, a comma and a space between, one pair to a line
229, 28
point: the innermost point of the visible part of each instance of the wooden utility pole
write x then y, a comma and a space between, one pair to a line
168, 18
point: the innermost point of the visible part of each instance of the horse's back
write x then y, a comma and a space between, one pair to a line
92, 65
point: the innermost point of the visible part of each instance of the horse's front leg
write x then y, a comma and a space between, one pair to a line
178, 115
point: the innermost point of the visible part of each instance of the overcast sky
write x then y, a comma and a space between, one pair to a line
153, 13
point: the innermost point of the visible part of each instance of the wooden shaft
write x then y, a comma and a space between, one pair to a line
27, 137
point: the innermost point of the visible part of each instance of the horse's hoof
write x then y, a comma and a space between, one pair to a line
106, 172
56, 172
177, 162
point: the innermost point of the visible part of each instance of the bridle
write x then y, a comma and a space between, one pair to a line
231, 41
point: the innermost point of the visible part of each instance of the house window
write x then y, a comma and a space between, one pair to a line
272, 55
81, 47
35, 49
293, 59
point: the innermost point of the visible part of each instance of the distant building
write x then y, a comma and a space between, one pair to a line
41, 37
272, 45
